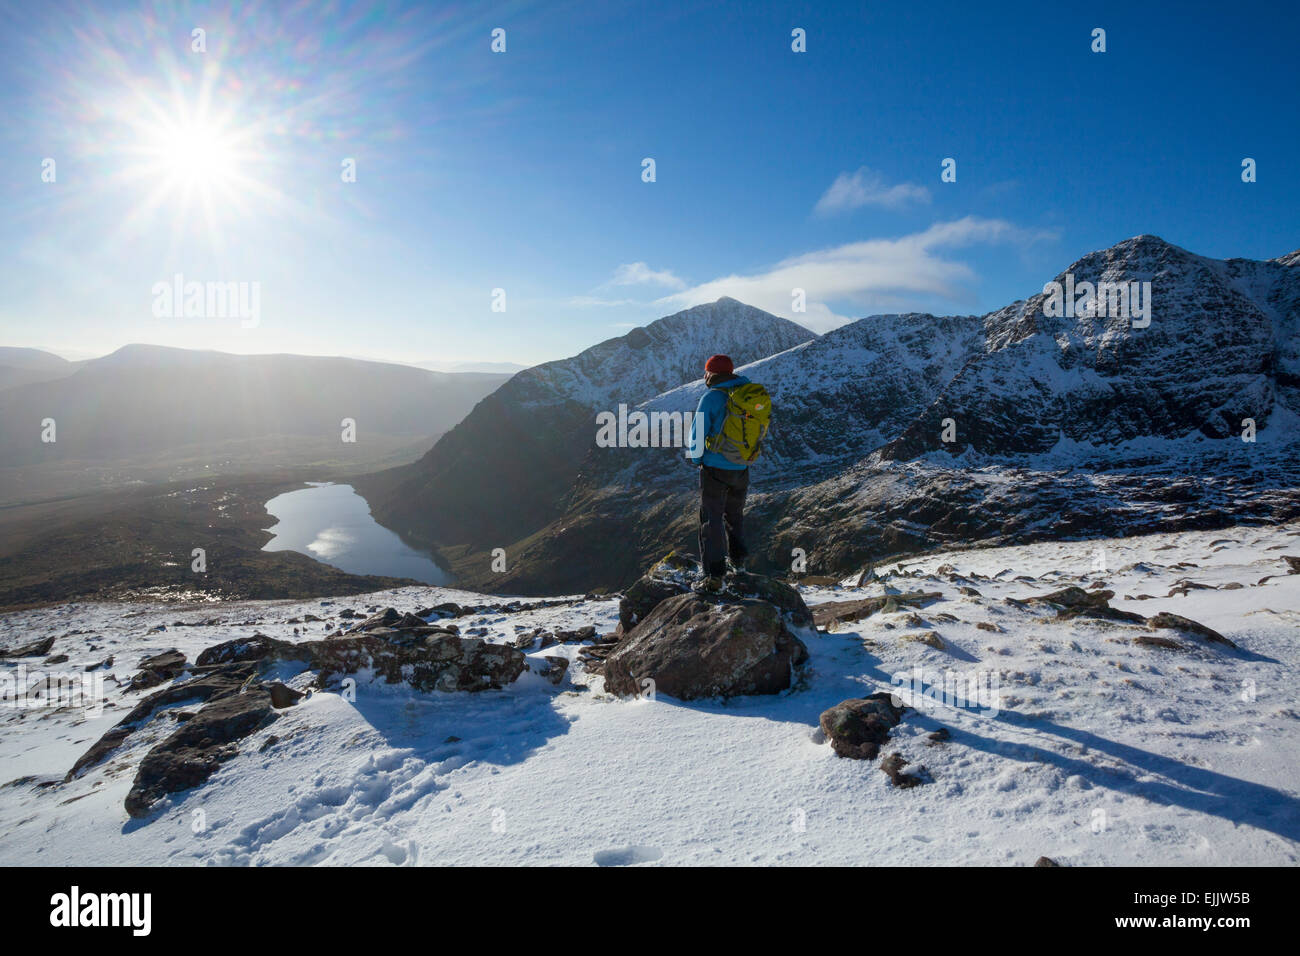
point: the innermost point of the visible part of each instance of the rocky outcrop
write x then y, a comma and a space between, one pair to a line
1072, 597
237, 703
157, 669
830, 613
427, 658
1177, 622
216, 685
34, 649
198, 747
690, 647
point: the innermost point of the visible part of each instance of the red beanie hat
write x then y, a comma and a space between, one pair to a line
719, 364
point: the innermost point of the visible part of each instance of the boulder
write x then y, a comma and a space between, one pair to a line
857, 727
693, 646
668, 578
676, 572
553, 669
1074, 602
785, 597
255, 648
388, 617
1100, 612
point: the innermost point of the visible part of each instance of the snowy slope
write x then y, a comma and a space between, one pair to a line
839, 397
650, 360
1102, 751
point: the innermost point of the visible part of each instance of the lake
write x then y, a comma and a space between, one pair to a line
332, 524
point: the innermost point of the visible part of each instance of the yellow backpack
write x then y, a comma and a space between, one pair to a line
749, 410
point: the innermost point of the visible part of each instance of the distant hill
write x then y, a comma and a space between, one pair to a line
147, 413
24, 366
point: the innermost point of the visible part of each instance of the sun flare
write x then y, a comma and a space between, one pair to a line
201, 168
195, 154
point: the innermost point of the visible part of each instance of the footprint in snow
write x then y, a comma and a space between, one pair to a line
628, 856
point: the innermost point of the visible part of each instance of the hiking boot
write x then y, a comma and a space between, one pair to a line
709, 584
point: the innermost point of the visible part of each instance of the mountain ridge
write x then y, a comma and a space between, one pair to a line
1158, 411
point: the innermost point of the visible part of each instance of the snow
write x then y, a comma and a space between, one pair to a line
1101, 751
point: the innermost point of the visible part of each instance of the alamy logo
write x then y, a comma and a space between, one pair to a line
25, 690
103, 909
179, 299
638, 429
979, 691
1116, 300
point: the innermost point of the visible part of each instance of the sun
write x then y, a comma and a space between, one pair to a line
193, 153
196, 154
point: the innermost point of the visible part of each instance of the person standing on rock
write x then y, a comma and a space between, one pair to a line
726, 434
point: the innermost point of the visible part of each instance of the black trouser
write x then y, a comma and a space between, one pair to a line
722, 516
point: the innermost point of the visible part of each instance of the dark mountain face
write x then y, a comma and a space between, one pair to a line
506, 471
1061, 425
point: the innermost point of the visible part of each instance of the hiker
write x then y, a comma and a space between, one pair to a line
726, 433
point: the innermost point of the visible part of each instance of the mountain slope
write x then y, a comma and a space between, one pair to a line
504, 472
1205, 362
1072, 426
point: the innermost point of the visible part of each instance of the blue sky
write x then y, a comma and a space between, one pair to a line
522, 170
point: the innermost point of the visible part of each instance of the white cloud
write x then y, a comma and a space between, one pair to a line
867, 188
638, 273
593, 301
872, 272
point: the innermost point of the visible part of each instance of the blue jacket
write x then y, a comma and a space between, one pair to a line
708, 421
